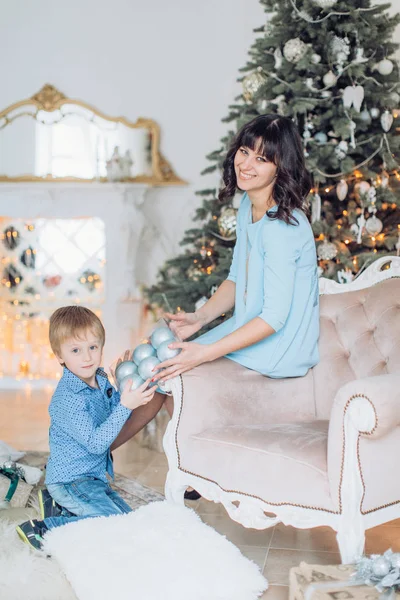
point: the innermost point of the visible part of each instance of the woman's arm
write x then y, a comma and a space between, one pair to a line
219, 303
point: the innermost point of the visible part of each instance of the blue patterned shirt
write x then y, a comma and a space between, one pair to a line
84, 423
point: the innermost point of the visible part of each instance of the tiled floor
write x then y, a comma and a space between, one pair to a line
24, 425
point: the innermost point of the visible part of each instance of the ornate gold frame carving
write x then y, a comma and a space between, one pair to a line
51, 99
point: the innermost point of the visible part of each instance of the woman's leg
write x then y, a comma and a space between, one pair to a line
138, 419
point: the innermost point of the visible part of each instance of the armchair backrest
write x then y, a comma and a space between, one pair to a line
360, 332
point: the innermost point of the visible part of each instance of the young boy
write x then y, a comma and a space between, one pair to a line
87, 414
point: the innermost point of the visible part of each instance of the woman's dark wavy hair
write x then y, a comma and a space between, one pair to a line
278, 140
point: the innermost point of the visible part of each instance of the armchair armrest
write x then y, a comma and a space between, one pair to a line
368, 407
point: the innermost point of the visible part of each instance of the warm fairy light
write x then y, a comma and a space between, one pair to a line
381, 236
209, 253
347, 241
394, 205
339, 227
327, 190
373, 238
375, 250
345, 213
358, 174
178, 309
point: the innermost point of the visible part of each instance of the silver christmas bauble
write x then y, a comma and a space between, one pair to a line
327, 251
137, 381
294, 50
165, 353
385, 66
364, 187
320, 137
160, 335
143, 351
147, 365
329, 79
365, 116
374, 112
325, 3
227, 222
373, 225
395, 560
125, 369
395, 98
315, 59
342, 189
386, 120
380, 566
251, 84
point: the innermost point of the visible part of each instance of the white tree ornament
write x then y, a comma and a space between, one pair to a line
353, 95
294, 50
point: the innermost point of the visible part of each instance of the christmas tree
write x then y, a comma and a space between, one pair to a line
328, 65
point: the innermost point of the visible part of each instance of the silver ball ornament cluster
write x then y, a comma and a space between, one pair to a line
145, 358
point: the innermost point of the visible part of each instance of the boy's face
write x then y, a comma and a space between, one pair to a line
82, 356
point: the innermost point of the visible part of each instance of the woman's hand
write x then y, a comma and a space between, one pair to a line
183, 324
191, 356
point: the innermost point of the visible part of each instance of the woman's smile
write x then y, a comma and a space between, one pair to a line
245, 176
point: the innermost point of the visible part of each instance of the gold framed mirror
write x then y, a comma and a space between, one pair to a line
50, 137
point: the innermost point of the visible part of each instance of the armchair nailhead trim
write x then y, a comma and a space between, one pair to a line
363, 512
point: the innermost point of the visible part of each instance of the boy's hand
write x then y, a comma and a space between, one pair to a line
134, 398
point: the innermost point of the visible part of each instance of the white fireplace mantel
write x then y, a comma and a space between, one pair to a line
119, 205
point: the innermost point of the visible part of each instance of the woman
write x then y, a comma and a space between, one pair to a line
273, 281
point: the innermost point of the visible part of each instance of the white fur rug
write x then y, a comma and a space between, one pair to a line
26, 574
160, 551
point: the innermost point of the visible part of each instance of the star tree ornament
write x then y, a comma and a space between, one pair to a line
294, 50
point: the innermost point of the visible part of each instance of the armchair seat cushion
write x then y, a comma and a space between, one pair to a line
278, 463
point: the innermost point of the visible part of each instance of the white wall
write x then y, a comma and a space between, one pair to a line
176, 62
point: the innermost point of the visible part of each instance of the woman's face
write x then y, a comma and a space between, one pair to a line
253, 171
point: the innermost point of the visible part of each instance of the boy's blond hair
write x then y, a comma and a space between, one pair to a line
73, 322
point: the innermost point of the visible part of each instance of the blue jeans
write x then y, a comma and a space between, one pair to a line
86, 497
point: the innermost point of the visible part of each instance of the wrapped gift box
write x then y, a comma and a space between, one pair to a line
21, 495
327, 582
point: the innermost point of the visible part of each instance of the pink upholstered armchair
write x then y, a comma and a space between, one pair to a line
316, 450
